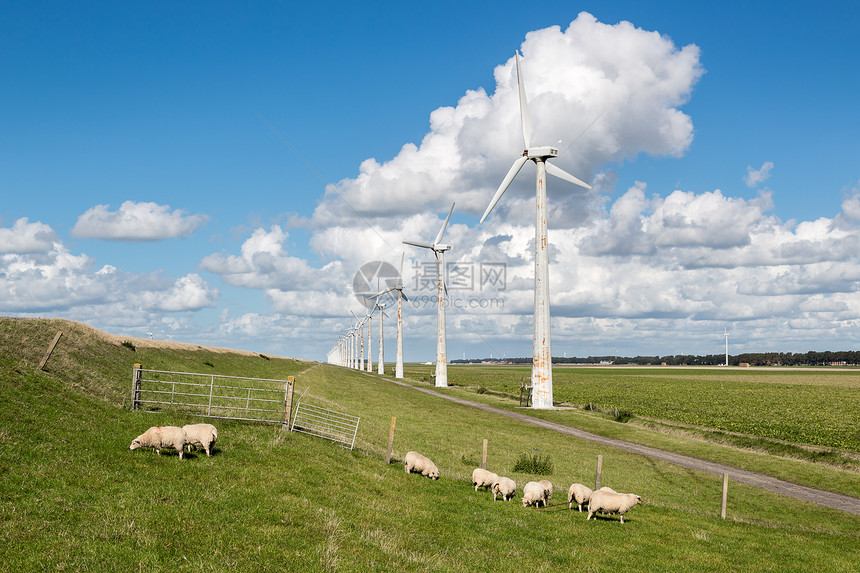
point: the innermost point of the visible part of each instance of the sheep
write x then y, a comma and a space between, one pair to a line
200, 436
159, 437
534, 494
607, 502
505, 487
578, 493
547, 490
483, 478
421, 464
609, 489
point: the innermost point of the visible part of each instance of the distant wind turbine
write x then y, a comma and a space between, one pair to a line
398, 367
380, 363
542, 359
439, 250
726, 335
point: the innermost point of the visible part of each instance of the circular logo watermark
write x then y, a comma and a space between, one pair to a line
373, 278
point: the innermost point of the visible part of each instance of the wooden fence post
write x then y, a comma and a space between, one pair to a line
725, 495
599, 473
135, 386
50, 350
390, 440
288, 403
484, 456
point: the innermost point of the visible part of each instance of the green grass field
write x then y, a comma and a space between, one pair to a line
74, 498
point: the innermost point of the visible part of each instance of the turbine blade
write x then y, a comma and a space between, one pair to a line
562, 174
421, 244
444, 225
512, 172
524, 107
403, 294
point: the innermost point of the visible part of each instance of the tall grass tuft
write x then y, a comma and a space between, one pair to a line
534, 464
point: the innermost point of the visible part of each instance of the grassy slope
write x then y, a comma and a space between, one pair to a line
73, 497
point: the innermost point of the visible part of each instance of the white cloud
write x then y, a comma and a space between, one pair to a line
631, 79
58, 281
133, 221
756, 177
188, 293
25, 237
265, 264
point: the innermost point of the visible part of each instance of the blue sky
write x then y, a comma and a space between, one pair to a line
145, 188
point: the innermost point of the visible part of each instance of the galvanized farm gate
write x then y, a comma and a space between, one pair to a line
214, 395
324, 423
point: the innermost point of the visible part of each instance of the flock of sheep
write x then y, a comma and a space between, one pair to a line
176, 438
537, 493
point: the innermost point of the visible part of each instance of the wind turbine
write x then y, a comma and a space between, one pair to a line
360, 328
726, 335
369, 319
380, 362
398, 286
439, 250
542, 359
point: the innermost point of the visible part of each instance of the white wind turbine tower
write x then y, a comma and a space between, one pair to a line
398, 367
542, 359
726, 335
369, 319
380, 362
439, 250
360, 329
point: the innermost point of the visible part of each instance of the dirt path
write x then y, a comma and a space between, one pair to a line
825, 498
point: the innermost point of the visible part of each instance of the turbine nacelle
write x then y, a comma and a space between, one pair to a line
541, 152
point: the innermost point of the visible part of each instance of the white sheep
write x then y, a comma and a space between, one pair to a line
609, 489
159, 437
578, 493
505, 487
534, 494
417, 463
200, 436
547, 490
608, 502
483, 478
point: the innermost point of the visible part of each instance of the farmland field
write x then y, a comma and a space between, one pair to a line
807, 406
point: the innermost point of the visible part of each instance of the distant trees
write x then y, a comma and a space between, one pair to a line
811, 358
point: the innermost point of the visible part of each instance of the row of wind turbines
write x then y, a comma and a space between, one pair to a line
350, 349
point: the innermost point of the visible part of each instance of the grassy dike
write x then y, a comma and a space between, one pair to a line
74, 498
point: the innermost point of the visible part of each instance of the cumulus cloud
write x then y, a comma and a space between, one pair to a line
134, 221
56, 280
188, 293
755, 177
631, 81
263, 263
26, 237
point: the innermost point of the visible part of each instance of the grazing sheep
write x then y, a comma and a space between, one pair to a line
534, 494
417, 463
505, 487
609, 489
483, 478
607, 502
547, 490
159, 437
578, 493
200, 436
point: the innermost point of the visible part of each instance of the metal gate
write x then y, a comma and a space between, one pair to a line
213, 395
321, 422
